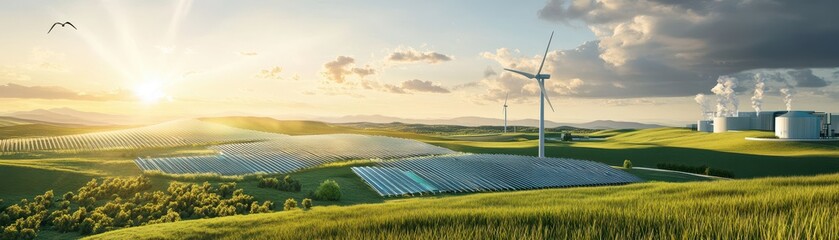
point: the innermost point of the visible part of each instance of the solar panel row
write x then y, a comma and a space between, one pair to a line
169, 134
487, 172
290, 154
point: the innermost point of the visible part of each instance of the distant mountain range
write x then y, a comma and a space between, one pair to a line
72, 116
481, 121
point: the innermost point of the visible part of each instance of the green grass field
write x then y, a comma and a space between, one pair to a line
771, 208
646, 148
461, 214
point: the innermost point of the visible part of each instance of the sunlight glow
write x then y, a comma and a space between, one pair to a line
150, 91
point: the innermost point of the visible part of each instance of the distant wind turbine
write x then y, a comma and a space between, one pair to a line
540, 79
505, 112
62, 25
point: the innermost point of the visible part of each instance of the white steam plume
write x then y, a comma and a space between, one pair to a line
757, 98
787, 92
727, 102
703, 105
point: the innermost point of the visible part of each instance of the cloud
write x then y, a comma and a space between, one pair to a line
12, 90
247, 54
663, 48
271, 73
417, 85
41, 59
166, 49
393, 89
489, 72
342, 67
805, 78
410, 55
12, 74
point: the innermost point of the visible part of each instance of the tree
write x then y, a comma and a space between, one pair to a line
627, 164
307, 204
290, 204
69, 196
328, 190
28, 233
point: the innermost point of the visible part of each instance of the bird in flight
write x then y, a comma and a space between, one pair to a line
62, 25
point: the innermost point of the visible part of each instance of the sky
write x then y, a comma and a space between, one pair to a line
609, 59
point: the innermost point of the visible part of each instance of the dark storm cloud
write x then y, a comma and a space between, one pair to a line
678, 48
805, 78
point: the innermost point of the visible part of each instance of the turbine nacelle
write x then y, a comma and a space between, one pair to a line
542, 76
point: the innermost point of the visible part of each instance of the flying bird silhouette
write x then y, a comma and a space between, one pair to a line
62, 25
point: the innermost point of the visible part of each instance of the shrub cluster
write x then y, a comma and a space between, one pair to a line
124, 204
698, 170
287, 184
328, 190
627, 164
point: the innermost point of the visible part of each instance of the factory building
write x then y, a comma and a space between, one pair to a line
798, 125
785, 124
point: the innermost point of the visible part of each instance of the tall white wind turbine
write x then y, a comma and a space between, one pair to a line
540, 79
505, 112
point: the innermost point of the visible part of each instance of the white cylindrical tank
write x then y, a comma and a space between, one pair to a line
797, 125
704, 126
724, 124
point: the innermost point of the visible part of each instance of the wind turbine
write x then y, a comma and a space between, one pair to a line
540, 79
505, 112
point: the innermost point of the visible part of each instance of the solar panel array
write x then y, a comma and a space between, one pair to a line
486, 172
169, 134
292, 153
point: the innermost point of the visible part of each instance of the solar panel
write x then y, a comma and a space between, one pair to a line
293, 153
487, 172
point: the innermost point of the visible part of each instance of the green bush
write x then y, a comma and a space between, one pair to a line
123, 203
69, 196
627, 164
287, 184
307, 204
328, 190
290, 204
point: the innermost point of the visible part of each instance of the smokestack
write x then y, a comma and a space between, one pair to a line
787, 92
727, 102
757, 98
703, 105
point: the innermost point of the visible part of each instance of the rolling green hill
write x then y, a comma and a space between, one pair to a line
771, 208
646, 148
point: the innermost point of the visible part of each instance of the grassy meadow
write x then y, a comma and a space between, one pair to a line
646, 148
769, 208
671, 205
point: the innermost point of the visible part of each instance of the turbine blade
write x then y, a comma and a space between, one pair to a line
546, 53
528, 75
545, 93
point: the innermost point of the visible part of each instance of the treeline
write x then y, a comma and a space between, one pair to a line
121, 202
287, 184
698, 170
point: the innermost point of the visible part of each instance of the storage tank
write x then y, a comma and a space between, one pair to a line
724, 124
704, 126
797, 125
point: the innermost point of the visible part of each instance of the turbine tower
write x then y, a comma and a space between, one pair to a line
505, 112
540, 79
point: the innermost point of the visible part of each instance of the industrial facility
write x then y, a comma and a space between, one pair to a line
786, 124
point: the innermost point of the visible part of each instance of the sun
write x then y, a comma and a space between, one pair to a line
150, 92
